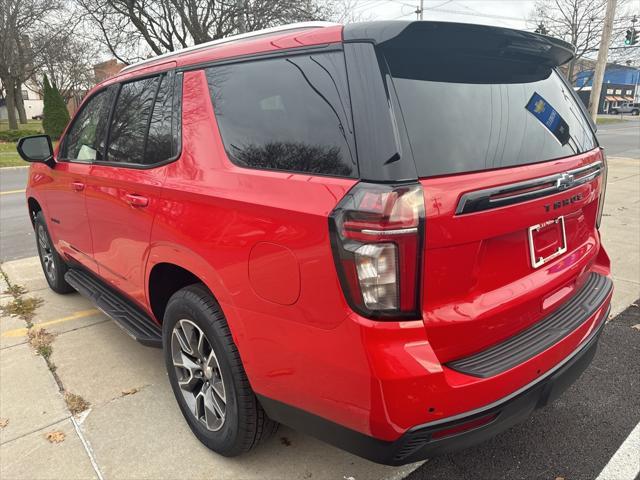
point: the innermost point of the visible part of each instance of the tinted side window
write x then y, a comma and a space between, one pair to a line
288, 114
85, 140
160, 140
130, 121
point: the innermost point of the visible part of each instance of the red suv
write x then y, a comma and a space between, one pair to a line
383, 234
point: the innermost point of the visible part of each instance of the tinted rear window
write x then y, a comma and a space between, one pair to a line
469, 117
290, 114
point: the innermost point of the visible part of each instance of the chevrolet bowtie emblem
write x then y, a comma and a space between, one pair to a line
564, 181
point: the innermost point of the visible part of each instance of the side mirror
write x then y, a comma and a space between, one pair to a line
36, 148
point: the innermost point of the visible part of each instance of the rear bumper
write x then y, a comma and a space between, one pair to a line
422, 441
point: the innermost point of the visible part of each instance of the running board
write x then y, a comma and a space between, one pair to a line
127, 315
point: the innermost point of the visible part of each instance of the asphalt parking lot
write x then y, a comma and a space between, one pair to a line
133, 429
574, 437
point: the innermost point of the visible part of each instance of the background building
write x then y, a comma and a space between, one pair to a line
620, 85
33, 103
107, 69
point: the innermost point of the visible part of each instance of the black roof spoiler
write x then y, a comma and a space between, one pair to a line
452, 38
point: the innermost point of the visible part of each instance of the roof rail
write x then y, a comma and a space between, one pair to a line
233, 38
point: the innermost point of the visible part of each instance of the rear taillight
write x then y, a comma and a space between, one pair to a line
376, 236
603, 187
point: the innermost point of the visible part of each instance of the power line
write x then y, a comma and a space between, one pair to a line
438, 6
476, 12
438, 9
458, 12
421, 8
373, 2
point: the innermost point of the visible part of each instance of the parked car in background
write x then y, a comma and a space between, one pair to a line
383, 234
37, 117
632, 108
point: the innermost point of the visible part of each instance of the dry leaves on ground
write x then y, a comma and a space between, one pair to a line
75, 403
55, 437
131, 391
4, 422
40, 339
24, 308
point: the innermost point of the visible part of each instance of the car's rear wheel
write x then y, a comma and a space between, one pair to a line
614, 112
53, 266
635, 112
207, 376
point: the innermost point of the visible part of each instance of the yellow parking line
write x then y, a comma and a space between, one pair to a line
17, 332
9, 192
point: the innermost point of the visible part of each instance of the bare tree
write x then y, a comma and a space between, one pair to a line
67, 60
579, 22
349, 11
18, 18
168, 25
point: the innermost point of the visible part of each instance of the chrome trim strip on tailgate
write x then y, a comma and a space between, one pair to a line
504, 195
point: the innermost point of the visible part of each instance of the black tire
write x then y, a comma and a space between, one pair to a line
53, 266
635, 112
614, 112
244, 422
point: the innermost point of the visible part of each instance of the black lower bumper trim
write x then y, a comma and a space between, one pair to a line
419, 443
540, 336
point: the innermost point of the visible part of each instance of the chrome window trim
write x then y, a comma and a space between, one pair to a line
480, 200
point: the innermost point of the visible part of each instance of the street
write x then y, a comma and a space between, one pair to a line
572, 438
16, 234
621, 139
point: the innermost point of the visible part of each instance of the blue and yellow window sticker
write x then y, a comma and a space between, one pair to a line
549, 117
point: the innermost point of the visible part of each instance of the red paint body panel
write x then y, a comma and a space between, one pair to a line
65, 208
120, 229
299, 340
269, 260
469, 293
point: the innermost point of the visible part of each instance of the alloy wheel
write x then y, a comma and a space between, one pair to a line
199, 375
46, 254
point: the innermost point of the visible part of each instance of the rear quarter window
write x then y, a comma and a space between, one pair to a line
462, 121
290, 114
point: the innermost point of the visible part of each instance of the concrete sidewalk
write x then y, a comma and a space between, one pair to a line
133, 428
620, 230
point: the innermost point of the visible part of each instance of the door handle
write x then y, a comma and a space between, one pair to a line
78, 186
136, 200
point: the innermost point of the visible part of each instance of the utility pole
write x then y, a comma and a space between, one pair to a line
419, 10
601, 64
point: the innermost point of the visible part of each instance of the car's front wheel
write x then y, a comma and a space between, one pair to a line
207, 376
614, 112
635, 112
53, 266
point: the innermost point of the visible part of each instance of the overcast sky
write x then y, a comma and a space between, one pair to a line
502, 13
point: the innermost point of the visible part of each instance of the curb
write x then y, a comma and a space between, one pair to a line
15, 167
